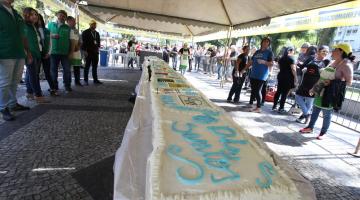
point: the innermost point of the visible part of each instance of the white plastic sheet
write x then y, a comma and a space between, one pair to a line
131, 157
130, 168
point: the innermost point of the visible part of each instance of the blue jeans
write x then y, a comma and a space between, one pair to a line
326, 121
219, 70
10, 75
197, 62
174, 62
32, 78
305, 103
55, 61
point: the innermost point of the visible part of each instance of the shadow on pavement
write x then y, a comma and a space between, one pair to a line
98, 179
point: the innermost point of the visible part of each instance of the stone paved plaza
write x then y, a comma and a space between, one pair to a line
65, 149
334, 174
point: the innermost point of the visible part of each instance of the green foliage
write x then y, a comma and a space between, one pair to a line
325, 36
20, 5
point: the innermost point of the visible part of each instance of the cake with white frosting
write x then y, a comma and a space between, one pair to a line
200, 153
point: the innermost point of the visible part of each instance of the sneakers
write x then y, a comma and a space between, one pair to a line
19, 107
320, 136
41, 100
78, 84
228, 100
98, 82
86, 83
7, 116
54, 93
306, 130
255, 110
29, 96
282, 110
68, 89
300, 119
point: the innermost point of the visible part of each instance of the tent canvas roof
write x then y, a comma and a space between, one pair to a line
195, 17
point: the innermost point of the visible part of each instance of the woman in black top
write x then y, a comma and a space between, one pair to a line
311, 75
238, 80
286, 78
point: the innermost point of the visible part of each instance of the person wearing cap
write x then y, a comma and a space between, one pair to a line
13, 51
333, 94
311, 74
60, 48
91, 46
286, 78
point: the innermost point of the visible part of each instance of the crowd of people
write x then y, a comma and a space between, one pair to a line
317, 77
26, 40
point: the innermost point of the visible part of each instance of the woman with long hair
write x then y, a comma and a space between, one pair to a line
32, 81
238, 80
261, 63
333, 94
286, 78
45, 53
311, 75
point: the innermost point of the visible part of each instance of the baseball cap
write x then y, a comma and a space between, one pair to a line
343, 46
92, 22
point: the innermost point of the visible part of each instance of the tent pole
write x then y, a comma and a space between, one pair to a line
77, 17
223, 77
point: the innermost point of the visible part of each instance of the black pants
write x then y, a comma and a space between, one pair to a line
131, 62
93, 60
77, 73
46, 68
256, 90
263, 93
236, 88
283, 89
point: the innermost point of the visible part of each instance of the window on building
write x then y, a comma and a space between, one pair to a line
348, 32
354, 31
339, 33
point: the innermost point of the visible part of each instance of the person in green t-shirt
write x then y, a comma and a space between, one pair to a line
60, 48
32, 81
75, 55
343, 76
13, 50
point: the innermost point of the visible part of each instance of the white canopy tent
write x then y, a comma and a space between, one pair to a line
189, 18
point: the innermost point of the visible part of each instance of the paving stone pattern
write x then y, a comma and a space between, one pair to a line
65, 149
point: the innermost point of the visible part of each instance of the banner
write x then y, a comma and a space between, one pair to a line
345, 14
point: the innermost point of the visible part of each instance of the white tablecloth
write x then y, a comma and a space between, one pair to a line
131, 158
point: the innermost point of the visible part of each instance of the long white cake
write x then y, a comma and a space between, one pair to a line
200, 153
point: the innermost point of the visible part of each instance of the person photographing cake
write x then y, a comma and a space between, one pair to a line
332, 92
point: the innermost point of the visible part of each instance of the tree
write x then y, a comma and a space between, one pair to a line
325, 36
20, 5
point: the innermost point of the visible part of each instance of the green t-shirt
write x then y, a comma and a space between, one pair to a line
11, 35
61, 45
33, 40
